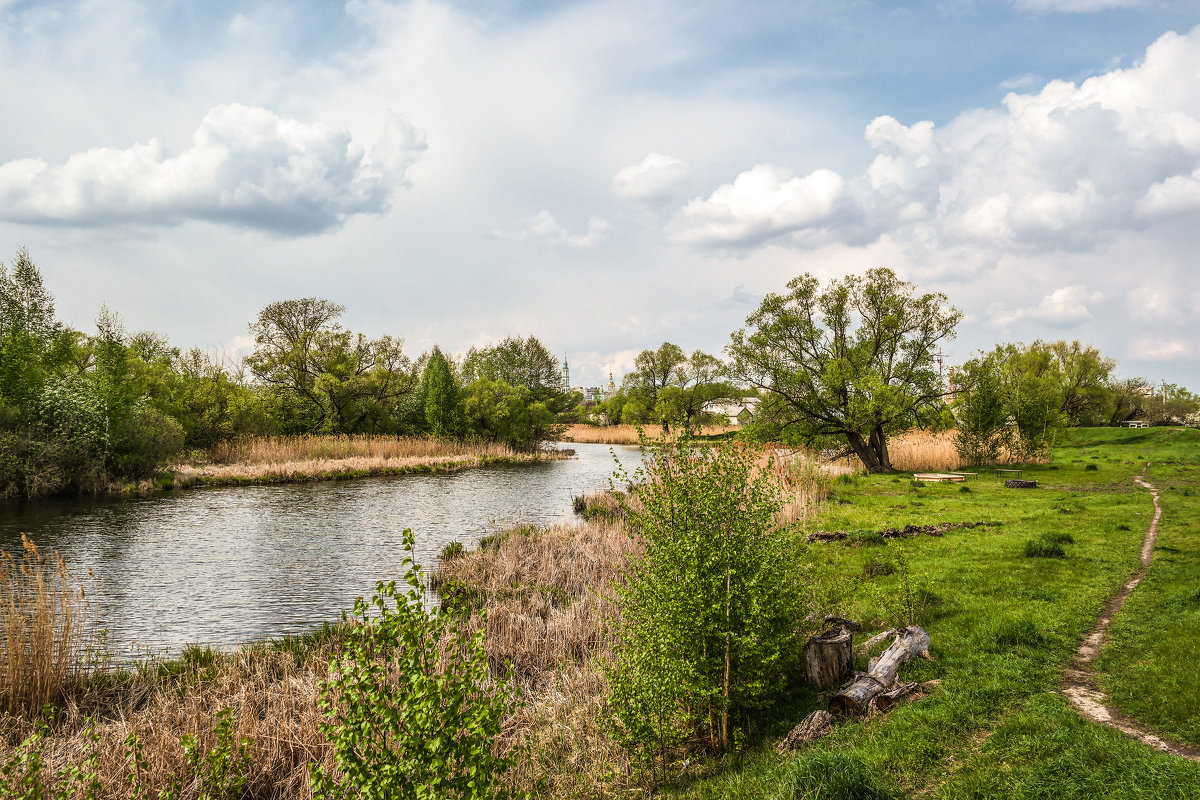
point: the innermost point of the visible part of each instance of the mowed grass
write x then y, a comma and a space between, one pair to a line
1004, 625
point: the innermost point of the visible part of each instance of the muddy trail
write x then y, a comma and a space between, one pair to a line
1080, 685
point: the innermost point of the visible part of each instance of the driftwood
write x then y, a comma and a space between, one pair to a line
880, 679
813, 727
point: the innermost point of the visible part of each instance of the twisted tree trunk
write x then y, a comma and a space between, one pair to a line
880, 679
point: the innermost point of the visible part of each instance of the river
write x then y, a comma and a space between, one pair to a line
222, 565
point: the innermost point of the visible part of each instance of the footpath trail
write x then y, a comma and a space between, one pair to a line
1080, 685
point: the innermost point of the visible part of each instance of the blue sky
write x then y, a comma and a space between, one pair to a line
609, 175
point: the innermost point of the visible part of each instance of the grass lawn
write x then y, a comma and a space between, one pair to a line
1004, 625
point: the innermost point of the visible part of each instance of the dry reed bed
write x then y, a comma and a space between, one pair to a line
627, 434
923, 451
314, 458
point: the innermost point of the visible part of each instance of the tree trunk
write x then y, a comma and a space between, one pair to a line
864, 451
829, 659
879, 442
881, 676
725, 687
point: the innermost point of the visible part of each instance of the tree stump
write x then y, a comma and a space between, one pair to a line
829, 658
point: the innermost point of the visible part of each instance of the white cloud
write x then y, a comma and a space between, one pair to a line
1062, 307
1150, 348
544, 227
761, 203
657, 177
1074, 6
246, 167
1065, 168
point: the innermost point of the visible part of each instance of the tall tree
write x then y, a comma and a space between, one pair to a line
439, 394
852, 360
334, 379
520, 361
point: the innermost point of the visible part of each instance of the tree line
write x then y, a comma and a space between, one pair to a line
841, 367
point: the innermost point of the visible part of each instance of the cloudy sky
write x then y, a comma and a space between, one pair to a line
609, 175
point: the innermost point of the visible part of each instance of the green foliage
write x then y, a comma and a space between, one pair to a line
142, 442
1019, 633
710, 611
853, 360
669, 387
439, 396
499, 412
820, 775
518, 361
408, 706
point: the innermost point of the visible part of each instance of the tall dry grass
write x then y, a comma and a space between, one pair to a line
922, 451
304, 458
44, 624
627, 434
283, 449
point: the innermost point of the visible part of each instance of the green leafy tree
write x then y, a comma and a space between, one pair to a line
439, 395
408, 706
1082, 374
981, 413
33, 345
524, 362
853, 360
499, 412
711, 609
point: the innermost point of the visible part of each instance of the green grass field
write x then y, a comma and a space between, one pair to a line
1004, 625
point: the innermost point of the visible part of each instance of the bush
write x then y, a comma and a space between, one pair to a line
1043, 548
710, 611
1090, 468
143, 441
452, 551
408, 706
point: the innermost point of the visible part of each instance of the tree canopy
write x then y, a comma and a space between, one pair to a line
854, 359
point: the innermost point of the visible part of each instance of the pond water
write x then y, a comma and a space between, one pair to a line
222, 565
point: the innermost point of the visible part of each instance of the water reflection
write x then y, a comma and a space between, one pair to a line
223, 565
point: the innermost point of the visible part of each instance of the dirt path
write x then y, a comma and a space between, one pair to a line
1079, 681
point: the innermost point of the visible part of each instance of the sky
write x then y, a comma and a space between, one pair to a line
609, 175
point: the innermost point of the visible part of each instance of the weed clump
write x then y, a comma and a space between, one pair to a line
877, 568
1091, 468
865, 539
964, 489
1044, 548
832, 776
1019, 633
452, 550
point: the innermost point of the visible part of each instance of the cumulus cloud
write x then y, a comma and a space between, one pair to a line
657, 177
1065, 306
544, 227
1065, 168
1154, 349
245, 167
762, 203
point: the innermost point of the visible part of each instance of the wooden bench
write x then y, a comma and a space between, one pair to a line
967, 475
938, 477
1010, 473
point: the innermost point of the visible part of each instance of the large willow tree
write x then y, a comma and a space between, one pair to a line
854, 359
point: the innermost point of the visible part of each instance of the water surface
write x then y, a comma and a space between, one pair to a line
221, 565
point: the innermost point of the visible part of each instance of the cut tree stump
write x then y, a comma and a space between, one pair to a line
880, 679
811, 728
829, 658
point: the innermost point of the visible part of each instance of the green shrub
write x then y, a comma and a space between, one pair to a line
1042, 548
1059, 538
408, 705
865, 539
1091, 468
964, 489
710, 610
142, 442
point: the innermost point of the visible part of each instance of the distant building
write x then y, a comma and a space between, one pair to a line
735, 412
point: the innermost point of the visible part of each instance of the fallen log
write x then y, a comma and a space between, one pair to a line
856, 695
